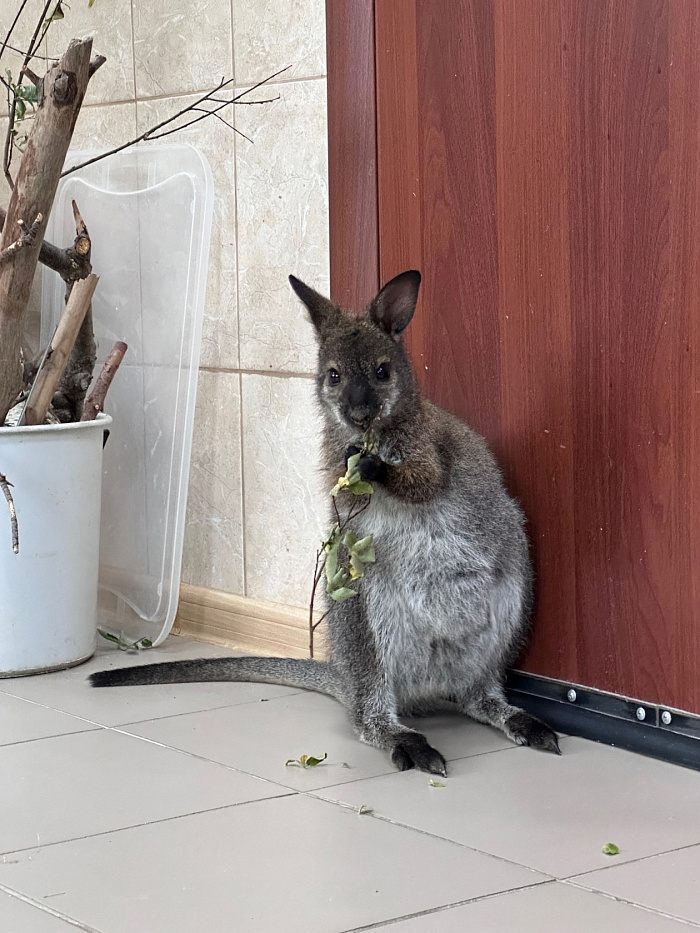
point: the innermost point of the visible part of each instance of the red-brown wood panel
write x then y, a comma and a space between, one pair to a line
539, 162
437, 194
536, 341
352, 152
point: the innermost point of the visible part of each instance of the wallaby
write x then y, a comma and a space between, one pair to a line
444, 609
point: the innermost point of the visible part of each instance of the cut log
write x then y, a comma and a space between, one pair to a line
61, 94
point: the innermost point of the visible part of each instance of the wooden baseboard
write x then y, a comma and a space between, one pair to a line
252, 626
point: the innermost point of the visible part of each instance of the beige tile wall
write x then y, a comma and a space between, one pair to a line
254, 515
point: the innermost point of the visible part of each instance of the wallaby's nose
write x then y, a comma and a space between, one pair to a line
361, 405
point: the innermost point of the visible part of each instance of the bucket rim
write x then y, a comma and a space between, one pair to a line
102, 421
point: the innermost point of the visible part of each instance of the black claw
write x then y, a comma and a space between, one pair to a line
413, 751
527, 730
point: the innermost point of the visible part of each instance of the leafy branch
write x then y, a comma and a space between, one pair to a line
342, 556
123, 644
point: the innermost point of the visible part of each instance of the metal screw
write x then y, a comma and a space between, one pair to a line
666, 717
571, 696
641, 713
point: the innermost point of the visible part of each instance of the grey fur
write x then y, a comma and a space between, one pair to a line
445, 608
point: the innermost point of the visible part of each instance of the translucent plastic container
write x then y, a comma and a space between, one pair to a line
149, 213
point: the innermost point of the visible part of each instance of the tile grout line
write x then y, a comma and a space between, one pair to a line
380, 924
48, 910
632, 861
142, 825
624, 900
500, 858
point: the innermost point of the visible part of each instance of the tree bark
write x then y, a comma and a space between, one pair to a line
60, 96
49, 377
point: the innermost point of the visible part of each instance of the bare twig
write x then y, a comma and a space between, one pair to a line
11, 96
159, 131
63, 261
7, 38
25, 240
94, 403
61, 347
5, 486
97, 62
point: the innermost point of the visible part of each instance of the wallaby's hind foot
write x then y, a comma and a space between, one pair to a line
413, 751
525, 729
520, 727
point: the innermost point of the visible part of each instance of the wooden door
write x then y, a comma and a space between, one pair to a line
539, 162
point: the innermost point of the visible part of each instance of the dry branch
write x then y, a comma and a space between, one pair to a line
25, 240
5, 486
94, 403
68, 400
61, 346
62, 92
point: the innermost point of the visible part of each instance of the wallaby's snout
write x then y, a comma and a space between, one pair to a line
362, 405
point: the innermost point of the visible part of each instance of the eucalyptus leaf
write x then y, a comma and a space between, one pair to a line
436, 783
363, 549
343, 593
360, 488
20, 108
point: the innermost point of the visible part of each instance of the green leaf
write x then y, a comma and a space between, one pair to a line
108, 636
352, 465
56, 15
123, 644
360, 488
20, 108
312, 762
610, 849
28, 92
371, 442
436, 783
363, 549
91, 4
341, 594
306, 761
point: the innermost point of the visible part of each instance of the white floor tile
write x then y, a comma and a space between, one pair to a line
669, 883
22, 721
261, 737
21, 917
551, 813
75, 785
289, 865
547, 908
70, 692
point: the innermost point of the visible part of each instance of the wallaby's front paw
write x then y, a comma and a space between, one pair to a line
372, 469
527, 730
413, 751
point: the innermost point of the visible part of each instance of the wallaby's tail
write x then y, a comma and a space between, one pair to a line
288, 672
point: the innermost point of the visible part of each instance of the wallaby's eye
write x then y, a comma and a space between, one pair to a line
333, 377
382, 372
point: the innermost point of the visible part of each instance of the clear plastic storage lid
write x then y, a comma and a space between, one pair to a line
149, 213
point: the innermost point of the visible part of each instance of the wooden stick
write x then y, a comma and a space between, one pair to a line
5, 485
61, 346
94, 403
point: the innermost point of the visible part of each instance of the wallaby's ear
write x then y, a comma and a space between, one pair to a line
320, 308
395, 304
